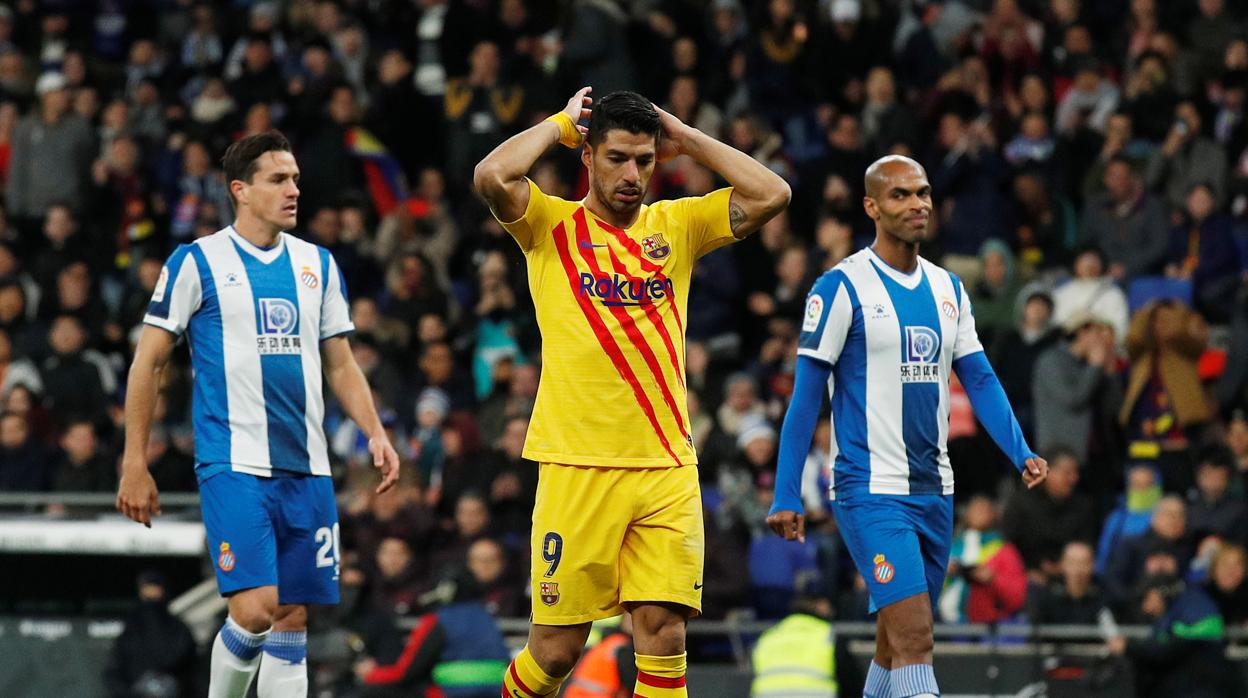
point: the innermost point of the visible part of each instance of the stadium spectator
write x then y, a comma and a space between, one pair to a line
482, 109
1164, 403
394, 583
1164, 548
1091, 98
1186, 653
23, 465
1187, 158
173, 470
470, 524
986, 581
1133, 514
1017, 350
885, 121
1074, 384
1211, 510
1202, 251
16, 369
456, 650
1041, 521
155, 654
995, 294
496, 579
1126, 223
81, 465
77, 380
1228, 584
1075, 597
52, 151
966, 168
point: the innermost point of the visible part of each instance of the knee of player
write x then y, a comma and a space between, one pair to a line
254, 612
558, 660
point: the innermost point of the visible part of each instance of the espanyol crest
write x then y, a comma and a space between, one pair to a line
308, 277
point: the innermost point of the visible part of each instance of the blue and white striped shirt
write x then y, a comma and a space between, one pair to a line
891, 339
255, 319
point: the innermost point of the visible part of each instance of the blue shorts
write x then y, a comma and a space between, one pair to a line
265, 531
899, 543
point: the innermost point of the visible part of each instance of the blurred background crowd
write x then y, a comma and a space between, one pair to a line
1090, 171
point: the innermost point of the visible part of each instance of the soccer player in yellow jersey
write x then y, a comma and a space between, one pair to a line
618, 519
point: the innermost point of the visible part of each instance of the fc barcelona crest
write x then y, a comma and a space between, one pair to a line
656, 247
549, 593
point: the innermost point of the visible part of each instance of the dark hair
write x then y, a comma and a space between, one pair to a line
1059, 451
623, 110
1217, 455
239, 161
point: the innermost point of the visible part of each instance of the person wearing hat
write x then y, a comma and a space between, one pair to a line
51, 157
155, 656
1070, 380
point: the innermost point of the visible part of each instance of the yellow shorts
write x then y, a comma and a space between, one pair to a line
603, 537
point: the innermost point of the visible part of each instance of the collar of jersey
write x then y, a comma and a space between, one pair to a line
909, 281
265, 255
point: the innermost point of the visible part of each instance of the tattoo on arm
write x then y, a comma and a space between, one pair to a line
736, 216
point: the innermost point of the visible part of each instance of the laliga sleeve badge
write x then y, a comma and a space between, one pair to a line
226, 559
549, 593
883, 570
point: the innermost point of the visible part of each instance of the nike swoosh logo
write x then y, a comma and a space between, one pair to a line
697, 586
590, 245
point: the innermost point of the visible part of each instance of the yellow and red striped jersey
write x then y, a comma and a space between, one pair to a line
611, 306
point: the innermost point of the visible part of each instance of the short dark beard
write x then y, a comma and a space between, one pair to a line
610, 202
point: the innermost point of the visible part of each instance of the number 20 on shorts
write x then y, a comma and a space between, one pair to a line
552, 552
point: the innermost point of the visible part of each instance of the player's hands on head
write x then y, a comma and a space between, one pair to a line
1035, 471
789, 525
578, 109
137, 497
672, 137
386, 460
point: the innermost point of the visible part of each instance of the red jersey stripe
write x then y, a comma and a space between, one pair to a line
626, 321
660, 681
515, 677
656, 320
635, 250
606, 339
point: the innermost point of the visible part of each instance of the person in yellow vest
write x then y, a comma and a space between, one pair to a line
799, 656
608, 669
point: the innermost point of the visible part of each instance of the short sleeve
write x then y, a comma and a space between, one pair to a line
707, 224
967, 342
826, 322
178, 293
534, 226
335, 308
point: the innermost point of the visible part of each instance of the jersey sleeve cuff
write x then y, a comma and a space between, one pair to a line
814, 354
963, 354
338, 332
163, 323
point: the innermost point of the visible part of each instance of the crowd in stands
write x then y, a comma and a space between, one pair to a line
1090, 170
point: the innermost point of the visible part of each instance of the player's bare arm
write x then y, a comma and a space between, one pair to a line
499, 178
758, 193
351, 387
137, 497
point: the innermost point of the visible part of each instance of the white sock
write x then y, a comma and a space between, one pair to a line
235, 658
283, 669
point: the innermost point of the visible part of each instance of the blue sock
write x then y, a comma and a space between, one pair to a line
914, 680
239, 642
877, 682
288, 645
